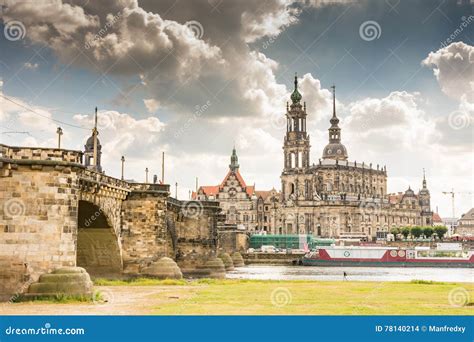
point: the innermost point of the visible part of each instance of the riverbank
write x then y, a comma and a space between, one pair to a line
259, 297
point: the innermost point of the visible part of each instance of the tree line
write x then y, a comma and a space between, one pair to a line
420, 231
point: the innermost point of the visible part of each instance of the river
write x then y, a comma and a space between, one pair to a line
268, 272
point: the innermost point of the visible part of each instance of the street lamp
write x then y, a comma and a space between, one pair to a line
123, 162
59, 131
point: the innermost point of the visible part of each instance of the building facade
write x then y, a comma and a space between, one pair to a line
334, 198
465, 226
241, 204
337, 197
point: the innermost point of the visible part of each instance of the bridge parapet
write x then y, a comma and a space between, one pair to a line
150, 187
41, 154
93, 181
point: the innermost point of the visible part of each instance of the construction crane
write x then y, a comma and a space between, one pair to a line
452, 193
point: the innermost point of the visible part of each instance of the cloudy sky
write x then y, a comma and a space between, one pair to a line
194, 77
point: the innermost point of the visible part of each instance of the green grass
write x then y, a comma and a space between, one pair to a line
250, 297
59, 298
138, 282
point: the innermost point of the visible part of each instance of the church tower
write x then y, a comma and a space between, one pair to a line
424, 199
296, 146
335, 149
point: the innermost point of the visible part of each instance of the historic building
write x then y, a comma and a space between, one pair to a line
337, 197
334, 197
465, 226
242, 205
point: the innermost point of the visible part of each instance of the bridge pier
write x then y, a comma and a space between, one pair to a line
144, 235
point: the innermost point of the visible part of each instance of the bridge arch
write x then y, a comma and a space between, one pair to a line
98, 245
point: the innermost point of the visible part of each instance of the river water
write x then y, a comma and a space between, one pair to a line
269, 272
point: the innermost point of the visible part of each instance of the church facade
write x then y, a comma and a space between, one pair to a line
334, 198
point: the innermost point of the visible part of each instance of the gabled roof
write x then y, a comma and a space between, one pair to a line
469, 215
263, 193
237, 175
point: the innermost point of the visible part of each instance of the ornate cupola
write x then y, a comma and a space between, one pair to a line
296, 96
234, 161
335, 149
93, 149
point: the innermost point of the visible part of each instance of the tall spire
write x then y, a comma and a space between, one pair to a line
335, 149
234, 161
334, 120
95, 119
424, 179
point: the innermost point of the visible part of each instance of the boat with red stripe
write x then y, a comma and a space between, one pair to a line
388, 257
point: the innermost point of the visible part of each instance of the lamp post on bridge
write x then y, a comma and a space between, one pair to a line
176, 190
123, 162
59, 131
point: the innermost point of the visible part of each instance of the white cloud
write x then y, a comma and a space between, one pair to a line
453, 67
151, 105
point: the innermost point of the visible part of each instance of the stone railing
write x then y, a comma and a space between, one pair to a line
103, 179
40, 154
149, 187
193, 203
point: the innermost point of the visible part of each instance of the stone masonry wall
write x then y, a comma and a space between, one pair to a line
144, 232
38, 215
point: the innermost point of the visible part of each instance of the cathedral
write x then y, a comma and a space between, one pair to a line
334, 198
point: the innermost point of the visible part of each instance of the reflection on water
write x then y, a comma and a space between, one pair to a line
353, 273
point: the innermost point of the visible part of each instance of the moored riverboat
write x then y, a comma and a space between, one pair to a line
388, 257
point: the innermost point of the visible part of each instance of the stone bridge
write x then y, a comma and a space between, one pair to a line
55, 212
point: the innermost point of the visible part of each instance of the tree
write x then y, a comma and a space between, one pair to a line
440, 231
395, 232
405, 232
416, 231
428, 232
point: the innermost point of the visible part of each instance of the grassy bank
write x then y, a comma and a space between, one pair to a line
256, 297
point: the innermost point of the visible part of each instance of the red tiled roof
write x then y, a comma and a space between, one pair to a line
436, 218
263, 193
210, 189
214, 189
